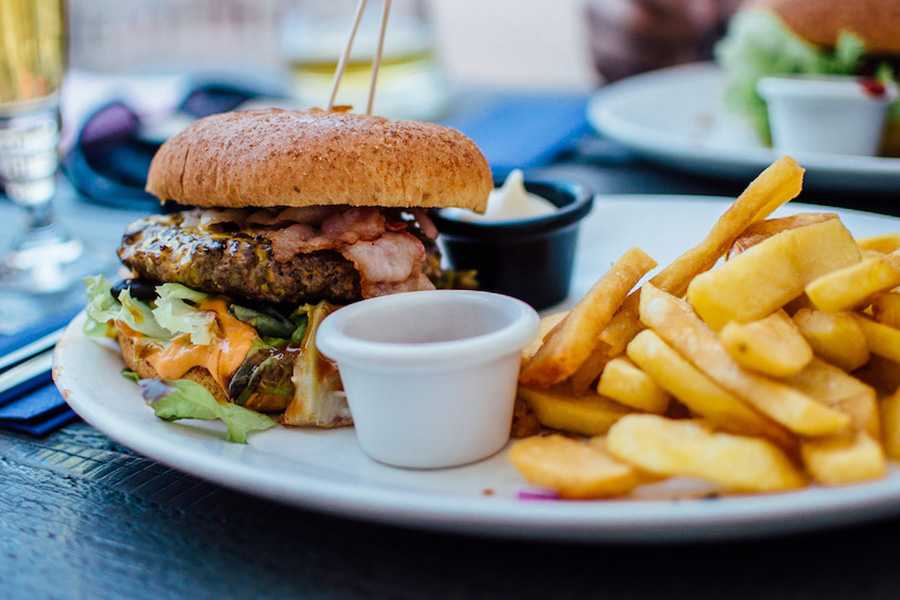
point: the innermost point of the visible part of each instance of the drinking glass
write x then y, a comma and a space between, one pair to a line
43, 259
411, 83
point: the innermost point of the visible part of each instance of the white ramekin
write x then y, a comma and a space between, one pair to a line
835, 115
430, 376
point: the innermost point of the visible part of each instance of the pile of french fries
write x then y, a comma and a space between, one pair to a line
774, 370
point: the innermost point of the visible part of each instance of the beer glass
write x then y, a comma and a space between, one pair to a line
43, 259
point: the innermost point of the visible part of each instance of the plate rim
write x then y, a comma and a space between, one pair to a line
633, 521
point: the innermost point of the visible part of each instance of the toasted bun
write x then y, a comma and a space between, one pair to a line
877, 22
288, 158
135, 360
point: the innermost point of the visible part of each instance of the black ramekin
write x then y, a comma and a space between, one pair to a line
530, 259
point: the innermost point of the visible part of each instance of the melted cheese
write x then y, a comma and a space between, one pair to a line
221, 358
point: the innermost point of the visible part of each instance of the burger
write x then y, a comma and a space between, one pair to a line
810, 37
283, 216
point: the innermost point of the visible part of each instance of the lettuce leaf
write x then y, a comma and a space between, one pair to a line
759, 44
101, 306
176, 312
186, 399
102, 309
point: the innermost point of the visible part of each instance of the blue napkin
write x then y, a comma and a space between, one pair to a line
8, 343
40, 402
516, 131
35, 406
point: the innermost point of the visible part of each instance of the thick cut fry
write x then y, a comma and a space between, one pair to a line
882, 374
686, 448
628, 385
779, 183
547, 325
772, 345
571, 342
769, 275
583, 379
890, 419
675, 322
836, 337
699, 393
573, 469
881, 339
886, 309
763, 230
853, 285
885, 244
587, 415
835, 388
839, 460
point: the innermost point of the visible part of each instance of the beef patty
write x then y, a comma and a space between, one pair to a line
240, 264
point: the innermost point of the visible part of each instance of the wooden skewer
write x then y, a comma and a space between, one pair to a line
342, 64
376, 63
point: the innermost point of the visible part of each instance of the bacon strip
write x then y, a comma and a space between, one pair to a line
390, 264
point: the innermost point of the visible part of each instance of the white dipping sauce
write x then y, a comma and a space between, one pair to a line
507, 203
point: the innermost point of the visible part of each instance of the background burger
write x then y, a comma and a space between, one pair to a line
811, 37
292, 215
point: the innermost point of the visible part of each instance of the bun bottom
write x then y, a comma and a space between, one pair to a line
136, 361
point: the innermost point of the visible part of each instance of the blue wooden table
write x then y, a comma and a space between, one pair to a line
82, 517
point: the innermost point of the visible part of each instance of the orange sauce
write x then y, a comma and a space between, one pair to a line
221, 357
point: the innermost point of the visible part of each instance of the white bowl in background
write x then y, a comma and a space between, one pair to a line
836, 115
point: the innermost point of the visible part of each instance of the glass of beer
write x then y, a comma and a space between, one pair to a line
44, 259
411, 84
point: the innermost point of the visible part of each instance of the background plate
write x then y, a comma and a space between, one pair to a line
676, 117
326, 470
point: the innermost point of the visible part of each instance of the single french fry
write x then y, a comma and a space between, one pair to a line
628, 385
761, 280
574, 469
686, 448
699, 393
882, 340
547, 325
836, 337
843, 459
557, 409
772, 345
763, 230
886, 309
779, 183
836, 389
890, 419
853, 285
675, 322
583, 379
570, 343
885, 244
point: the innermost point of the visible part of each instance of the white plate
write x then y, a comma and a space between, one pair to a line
676, 117
325, 470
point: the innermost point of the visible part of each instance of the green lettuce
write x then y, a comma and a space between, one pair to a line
102, 308
186, 399
759, 44
176, 312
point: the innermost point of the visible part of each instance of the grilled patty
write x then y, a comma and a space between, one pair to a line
240, 264
234, 264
